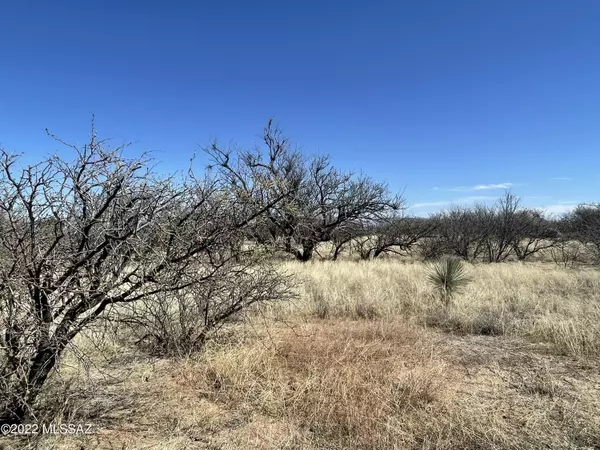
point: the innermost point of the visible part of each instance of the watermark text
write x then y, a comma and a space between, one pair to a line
26, 429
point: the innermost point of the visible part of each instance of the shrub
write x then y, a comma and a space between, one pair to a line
566, 254
448, 277
178, 324
80, 236
488, 323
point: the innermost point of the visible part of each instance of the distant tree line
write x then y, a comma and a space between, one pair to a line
503, 231
506, 230
352, 213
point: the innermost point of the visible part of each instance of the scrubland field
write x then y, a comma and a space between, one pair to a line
365, 357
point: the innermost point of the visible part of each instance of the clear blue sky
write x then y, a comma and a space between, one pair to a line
449, 100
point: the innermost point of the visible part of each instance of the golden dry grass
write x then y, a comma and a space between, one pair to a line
541, 302
368, 358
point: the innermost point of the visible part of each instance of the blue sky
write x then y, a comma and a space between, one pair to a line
450, 101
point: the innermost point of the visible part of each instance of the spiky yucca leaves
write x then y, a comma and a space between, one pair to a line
448, 276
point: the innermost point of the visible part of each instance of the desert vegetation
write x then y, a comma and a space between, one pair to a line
275, 301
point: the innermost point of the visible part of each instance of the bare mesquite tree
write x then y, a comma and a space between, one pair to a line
332, 201
178, 323
345, 238
79, 236
535, 234
491, 233
458, 232
511, 230
583, 224
326, 200
396, 235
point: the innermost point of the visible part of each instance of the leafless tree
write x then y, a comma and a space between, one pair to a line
396, 235
344, 238
498, 224
510, 229
78, 237
566, 253
325, 201
178, 323
535, 233
458, 232
491, 233
583, 224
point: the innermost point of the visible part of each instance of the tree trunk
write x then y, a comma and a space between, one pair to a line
366, 255
19, 403
13, 411
378, 252
307, 252
337, 251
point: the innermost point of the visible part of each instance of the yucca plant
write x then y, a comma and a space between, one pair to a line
448, 276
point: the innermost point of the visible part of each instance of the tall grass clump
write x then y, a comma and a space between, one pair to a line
448, 276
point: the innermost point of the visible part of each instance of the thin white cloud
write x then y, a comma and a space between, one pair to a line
474, 198
482, 187
454, 201
430, 204
477, 187
555, 209
559, 208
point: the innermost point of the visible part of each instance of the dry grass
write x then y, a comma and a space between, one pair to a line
543, 303
368, 358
